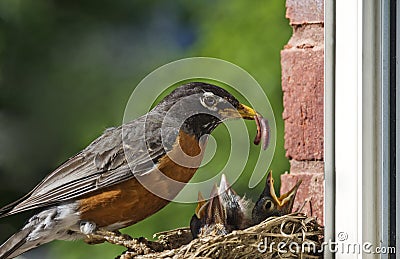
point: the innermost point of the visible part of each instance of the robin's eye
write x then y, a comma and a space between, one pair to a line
209, 100
268, 205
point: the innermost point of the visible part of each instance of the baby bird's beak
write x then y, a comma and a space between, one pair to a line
270, 205
224, 212
210, 216
235, 215
215, 216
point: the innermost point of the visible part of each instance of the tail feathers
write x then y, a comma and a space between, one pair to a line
6, 210
16, 244
44, 227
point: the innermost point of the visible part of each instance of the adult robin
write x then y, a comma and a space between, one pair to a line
227, 211
128, 173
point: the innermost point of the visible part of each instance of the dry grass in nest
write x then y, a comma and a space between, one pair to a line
295, 231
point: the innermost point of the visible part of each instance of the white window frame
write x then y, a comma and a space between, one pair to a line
356, 153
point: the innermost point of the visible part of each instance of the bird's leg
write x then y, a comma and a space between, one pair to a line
88, 228
95, 235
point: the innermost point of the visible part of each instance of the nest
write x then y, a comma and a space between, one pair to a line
289, 236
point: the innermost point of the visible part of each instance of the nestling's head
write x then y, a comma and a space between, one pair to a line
269, 204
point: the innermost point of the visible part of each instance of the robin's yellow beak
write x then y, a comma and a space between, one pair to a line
243, 111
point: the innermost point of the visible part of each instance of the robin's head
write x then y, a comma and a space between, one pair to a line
200, 107
269, 204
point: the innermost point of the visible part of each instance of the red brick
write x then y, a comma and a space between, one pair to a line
303, 101
312, 188
305, 11
307, 37
297, 167
302, 63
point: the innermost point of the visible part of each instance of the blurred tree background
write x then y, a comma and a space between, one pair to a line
67, 69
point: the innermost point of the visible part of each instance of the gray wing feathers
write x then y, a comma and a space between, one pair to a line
103, 163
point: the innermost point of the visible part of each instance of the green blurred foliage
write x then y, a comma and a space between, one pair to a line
67, 69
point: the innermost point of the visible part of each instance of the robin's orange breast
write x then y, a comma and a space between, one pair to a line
126, 203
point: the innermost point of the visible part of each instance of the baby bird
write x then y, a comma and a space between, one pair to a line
227, 211
269, 204
224, 212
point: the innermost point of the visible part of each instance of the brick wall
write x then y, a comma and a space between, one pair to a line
302, 62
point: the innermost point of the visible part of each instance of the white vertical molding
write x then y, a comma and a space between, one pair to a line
384, 128
329, 125
348, 125
360, 124
371, 121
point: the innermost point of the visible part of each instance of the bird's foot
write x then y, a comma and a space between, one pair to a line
97, 236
